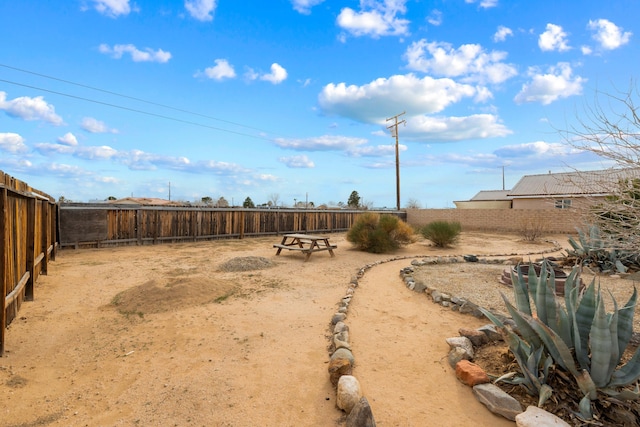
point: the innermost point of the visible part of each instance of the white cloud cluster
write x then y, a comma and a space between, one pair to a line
297, 162
553, 39
435, 18
445, 129
371, 103
112, 8
321, 143
27, 108
277, 75
304, 6
485, 4
92, 125
608, 35
469, 61
558, 82
376, 18
202, 10
222, 70
68, 139
137, 55
12, 143
502, 33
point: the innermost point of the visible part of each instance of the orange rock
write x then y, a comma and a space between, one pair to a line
470, 373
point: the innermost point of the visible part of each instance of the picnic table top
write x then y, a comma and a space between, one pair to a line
306, 236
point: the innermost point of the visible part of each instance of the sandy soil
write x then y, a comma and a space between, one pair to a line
160, 335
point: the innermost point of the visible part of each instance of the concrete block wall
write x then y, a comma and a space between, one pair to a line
508, 220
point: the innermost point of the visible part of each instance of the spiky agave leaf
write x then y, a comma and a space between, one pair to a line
600, 341
520, 291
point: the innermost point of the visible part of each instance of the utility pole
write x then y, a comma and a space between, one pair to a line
394, 132
169, 190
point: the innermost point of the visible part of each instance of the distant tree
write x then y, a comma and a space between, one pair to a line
274, 198
63, 199
248, 203
222, 203
207, 200
413, 204
354, 200
111, 198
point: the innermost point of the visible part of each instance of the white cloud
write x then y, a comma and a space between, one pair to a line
502, 33
222, 70
554, 38
297, 162
277, 75
148, 55
586, 50
608, 35
484, 3
470, 61
535, 149
304, 6
557, 83
92, 125
112, 8
27, 108
68, 139
376, 18
372, 102
202, 10
477, 126
435, 18
12, 142
321, 143
376, 151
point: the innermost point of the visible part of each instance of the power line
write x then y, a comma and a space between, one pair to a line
162, 116
129, 97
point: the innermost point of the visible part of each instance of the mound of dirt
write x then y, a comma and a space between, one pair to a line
172, 294
248, 263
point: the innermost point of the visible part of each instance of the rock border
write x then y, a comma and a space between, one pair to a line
349, 396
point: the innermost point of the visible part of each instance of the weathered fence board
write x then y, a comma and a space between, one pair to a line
28, 228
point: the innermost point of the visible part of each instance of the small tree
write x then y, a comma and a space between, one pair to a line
412, 204
222, 203
207, 200
441, 233
274, 198
354, 200
248, 203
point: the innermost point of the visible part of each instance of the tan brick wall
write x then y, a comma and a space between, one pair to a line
512, 220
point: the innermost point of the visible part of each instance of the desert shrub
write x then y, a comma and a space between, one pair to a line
531, 229
379, 233
441, 233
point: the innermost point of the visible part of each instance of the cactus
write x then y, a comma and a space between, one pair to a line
581, 328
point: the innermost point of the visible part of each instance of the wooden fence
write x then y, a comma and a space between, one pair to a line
102, 224
28, 228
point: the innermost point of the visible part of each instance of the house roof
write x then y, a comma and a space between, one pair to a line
491, 195
589, 183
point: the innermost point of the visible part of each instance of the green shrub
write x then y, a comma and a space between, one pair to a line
441, 233
379, 233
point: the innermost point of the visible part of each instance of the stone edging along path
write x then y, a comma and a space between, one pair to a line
349, 397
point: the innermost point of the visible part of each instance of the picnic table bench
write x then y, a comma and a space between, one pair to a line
305, 243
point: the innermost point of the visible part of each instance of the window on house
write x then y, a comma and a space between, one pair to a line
563, 204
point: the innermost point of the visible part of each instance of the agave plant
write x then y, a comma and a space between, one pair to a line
581, 328
594, 248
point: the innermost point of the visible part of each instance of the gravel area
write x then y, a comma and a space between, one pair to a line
479, 283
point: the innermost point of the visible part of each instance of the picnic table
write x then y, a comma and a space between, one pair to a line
305, 243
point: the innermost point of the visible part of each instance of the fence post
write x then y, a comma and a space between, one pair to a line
4, 250
31, 245
45, 238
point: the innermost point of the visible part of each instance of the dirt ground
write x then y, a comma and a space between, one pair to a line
168, 336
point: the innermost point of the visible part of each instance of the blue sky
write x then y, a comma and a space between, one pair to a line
290, 98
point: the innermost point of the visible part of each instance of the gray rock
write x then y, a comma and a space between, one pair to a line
340, 327
341, 340
491, 331
343, 353
457, 354
446, 297
361, 415
436, 296
338, 317
348, 393
498, 401
537, 417
420, 287
463, 343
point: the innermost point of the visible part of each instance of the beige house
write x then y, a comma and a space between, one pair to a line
554, 190
487, 199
